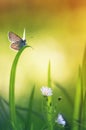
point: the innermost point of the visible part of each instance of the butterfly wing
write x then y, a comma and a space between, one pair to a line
15, 46
13, 37
16, 41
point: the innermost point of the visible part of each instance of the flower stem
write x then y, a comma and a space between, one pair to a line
49, 103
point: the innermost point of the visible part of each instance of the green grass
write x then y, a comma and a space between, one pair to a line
28, 122
79, 115
46, 116
36, 117
78, 103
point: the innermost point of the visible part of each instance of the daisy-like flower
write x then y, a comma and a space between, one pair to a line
60, 120
46, 91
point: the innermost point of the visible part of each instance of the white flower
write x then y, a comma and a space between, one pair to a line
60, 120
46, 91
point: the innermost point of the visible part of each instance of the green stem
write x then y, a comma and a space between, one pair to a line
49, 83
49, 103
12, 89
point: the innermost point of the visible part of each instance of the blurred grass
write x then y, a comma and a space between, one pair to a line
78, 104
28, 123
84, 89
49, 102
80, 98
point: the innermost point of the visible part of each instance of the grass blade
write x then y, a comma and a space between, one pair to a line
28, 123
49, 102
84, 73
12, 88
78, 103
84, 88
49, 83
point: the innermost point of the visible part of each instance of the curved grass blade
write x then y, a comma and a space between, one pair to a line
12, 88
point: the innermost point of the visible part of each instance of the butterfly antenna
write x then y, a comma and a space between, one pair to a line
24, 35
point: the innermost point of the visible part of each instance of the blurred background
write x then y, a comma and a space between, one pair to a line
56, 30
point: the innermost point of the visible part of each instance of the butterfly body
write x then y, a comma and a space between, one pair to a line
16, 41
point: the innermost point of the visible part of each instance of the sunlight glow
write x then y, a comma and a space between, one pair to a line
34, 66
40, 56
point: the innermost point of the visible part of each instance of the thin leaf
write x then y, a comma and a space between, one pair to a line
84, 87
78, 103
49, 102
49, 74
28, 123
84, 71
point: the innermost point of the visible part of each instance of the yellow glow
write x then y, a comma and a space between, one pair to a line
44, 51
33, 65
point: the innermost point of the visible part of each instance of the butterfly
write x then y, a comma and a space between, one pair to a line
16, 41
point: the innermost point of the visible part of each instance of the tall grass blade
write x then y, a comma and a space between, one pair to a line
49, 74
84, 72
49, 102
12, 88
78, 103
84, 88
